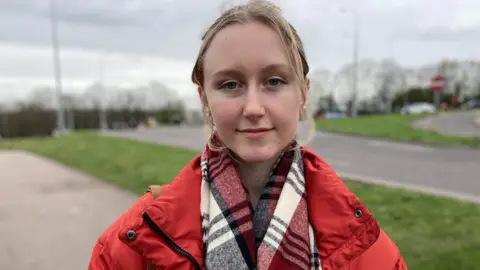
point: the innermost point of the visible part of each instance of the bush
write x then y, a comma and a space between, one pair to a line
33, 121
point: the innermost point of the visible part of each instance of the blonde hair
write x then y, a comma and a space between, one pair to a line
269, 14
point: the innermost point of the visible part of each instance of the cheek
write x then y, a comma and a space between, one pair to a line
224, 111
287, 117
287, 108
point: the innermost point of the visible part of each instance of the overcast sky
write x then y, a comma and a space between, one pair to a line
159, 39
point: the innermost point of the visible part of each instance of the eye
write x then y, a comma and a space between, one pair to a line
273, 82
229, 85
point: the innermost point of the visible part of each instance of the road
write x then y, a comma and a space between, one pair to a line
453, 172
51, 215
453, 124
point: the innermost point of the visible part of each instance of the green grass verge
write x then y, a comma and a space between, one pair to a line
431, 232
129, 164
394, 127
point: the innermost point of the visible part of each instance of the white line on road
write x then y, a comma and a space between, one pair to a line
401, 146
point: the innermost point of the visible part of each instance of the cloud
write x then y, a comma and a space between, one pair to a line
414, 32
25, 67
447, 34
173, 28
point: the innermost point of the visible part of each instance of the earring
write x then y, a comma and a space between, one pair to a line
304, 108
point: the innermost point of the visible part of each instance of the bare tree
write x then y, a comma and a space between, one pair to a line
160, 94
41, 97
476, 87
386, 91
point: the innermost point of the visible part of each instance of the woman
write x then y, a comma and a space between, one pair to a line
254, 199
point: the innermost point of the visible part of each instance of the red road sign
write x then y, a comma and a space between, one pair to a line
437, 83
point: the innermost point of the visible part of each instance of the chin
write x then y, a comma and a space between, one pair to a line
255, 154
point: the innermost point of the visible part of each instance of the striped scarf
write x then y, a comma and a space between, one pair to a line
276, 235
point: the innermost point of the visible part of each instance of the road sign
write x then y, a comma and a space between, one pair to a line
437, 83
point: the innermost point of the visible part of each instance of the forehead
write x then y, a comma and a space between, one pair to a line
247, 46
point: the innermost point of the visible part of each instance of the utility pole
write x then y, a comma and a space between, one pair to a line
391, 74
102, 93
57, 68
356, 36
355, 56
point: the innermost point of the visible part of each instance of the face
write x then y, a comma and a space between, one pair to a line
251, 91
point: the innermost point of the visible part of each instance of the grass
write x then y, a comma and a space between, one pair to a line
131, 165
394, 127
431, 232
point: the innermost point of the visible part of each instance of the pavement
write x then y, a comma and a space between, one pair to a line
51, 215
463, 124
446, 171
476, 121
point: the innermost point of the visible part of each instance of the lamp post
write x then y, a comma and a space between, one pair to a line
102, 92
355, 54
57, 68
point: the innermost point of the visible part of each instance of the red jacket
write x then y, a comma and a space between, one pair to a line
166, 231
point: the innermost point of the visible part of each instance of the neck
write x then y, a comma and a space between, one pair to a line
255, 176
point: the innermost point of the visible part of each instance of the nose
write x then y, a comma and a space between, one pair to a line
253, 107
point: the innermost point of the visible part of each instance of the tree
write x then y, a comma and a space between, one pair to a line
326, 103
160, 94
315, 93
42, 97
92, 95
476, 90
384, 94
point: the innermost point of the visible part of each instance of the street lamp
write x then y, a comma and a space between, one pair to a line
355, 53
57, 68
102, 92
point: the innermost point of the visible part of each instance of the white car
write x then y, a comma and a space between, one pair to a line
418, 108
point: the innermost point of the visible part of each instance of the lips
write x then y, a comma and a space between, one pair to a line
255, 130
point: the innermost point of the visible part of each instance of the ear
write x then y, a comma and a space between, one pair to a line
305, 94
200, 91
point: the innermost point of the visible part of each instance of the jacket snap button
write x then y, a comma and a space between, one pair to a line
131, 235
358, 213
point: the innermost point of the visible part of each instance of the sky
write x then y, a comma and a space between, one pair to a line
128, 42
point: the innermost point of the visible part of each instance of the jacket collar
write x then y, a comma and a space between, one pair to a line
343, 226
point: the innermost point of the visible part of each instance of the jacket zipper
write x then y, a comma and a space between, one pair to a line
170, 242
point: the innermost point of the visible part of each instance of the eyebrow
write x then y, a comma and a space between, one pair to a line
265, 69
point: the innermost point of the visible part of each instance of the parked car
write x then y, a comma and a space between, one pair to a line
330, 115
418, 108
471, 104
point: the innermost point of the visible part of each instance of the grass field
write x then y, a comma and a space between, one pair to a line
129, 164
394, 127
431, 232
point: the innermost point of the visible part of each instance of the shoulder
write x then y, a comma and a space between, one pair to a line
183, 182
347, 232
109, 251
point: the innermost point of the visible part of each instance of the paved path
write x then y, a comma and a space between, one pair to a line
446, 171
51, 215
453, 124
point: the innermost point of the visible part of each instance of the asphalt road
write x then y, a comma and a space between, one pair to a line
453, 124
453, 172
